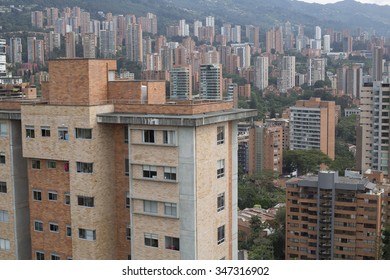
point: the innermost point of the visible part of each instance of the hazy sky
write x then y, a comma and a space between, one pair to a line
378, 2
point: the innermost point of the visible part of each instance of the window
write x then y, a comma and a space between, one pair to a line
87, 234
54, 257
85, 201
3, 187
127, 167
128, 232
169, 137
220, 135
170, 209
45, 131
67, 198
170, 173
38, 225
127, 200
37, 195
84, 167
172, 243
63, 133
3, 129
53, 227
4, 245
39, 255
126, 134
151, 239
35, 164
150, 206
51, 164
66, 166
4, 216
30, 131
68, 231
220, 168
52, 195
149, 136
2, 158
83, 133
221, 234
149, 171
221, 202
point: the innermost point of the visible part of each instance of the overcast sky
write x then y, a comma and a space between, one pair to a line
379, 2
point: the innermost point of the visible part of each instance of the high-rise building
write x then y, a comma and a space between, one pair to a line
226, 30
316, 70
243, 51
313, 126
236, 34
15, 50
326, 43
37, 19
261, 72
70, 44
3, 58
274, 40
210, 81
134, 43
89, 45
107, 44
347, 44
197, 25
93, 182
181, 82
285, 125
350, 80
286, 80
51, 16
317, 38
35, 50
252, 33
333, 218
54, 40
377, 64
265, 149
210, 22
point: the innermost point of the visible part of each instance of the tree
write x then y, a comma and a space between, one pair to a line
304, 161
346, 130
386, 243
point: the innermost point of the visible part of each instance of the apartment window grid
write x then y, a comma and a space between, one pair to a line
40, 255
87, 234
149, 171
84, 167
52, 195
67, 198
220, 135
220, 202
30, 131
128, 232
151, 240
53, 227
85, 201
169, 137
37, 195
170, 209
35, 164
172, 243
150, 206
221, 234
51, 164
38, 225
5, 244
170, 173
3, 187
149, 136
45, 131
220, 168
2, 158
127, 201
63, 133
4, 216
84, 133
3, 129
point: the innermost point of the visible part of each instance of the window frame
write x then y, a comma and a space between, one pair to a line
68, 229
39, 255
128, 232
66, 198
86, 201
63, 133
3, 129
53, 227
53, 194
220, 202
127, 199
5, 244
30, 131
36, 195
149, 136
151, 240
35, 164
127, 167
51, 164
54, 257
83, 133
150, 206
2, 158
126, 134
170, 209
3, 187
38, 226
4, 216
220, 168
87, 234
220, 135
84, 167
169, 137
45, 131
149, 171
170, 242
170, 173
220, 234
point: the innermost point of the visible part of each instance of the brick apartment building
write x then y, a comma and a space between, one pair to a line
116, 172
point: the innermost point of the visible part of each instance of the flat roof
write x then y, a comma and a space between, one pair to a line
176, 120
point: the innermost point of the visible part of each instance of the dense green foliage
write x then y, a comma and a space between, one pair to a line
345, 129
386, 243
304, 161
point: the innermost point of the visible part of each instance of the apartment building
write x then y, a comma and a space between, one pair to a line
116, 172
312, 126
332, 217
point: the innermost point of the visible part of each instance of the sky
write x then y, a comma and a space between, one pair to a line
378, 2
